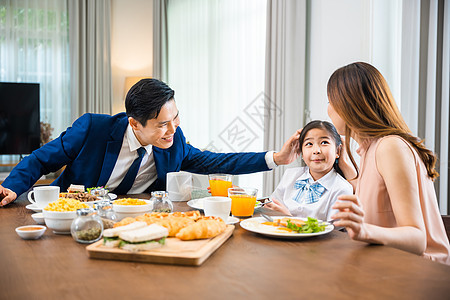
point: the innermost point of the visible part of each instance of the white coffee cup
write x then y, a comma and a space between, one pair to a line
217, 206
43, 195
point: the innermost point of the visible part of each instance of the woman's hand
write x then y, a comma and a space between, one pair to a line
278, 206
290, 150
350, 216
6, 196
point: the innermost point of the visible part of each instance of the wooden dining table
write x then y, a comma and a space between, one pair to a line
247, 266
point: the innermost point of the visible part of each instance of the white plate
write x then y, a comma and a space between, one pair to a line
198, 204
33, 207
232, 220
255, 225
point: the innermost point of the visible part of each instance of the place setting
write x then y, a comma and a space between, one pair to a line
242, 201
41, 196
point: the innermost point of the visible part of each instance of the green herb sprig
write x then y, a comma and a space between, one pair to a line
311, 226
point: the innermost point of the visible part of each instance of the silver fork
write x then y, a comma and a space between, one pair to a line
268, 218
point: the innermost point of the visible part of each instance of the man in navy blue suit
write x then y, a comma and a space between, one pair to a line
132, 153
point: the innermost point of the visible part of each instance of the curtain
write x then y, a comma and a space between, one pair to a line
160, 43
34, 48
425, 69
285, 88
215, 63
90, 56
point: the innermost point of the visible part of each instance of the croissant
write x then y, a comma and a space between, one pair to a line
202, 229
175, 224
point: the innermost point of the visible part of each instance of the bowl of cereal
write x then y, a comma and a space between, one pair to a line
59, 215
131, 207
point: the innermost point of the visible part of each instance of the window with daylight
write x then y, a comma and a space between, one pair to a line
34, 48
216, 58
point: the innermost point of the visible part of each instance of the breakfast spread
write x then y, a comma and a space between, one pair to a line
161, 236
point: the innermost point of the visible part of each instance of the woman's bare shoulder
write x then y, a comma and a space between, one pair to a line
394, 151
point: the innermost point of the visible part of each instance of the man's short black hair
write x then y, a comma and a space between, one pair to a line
146, 98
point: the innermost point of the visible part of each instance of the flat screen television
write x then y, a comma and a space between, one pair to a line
19, 118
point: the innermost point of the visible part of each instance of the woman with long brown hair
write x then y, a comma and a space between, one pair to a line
395, 202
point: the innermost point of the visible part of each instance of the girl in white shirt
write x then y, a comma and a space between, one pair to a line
311, 191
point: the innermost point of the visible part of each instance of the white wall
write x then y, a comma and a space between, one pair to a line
346, 31
131, 44
342, 32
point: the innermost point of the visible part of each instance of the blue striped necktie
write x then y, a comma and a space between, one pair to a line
128, 180
310, 192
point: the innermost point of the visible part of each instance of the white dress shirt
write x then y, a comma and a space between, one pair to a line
128, 153
334, 184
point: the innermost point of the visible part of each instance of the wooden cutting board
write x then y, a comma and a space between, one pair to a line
174, 252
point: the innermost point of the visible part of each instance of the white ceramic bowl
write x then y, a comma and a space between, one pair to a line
30, 232
123, 211
38, 218
59, 221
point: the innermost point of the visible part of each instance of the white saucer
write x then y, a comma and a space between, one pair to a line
232, 220
33, 207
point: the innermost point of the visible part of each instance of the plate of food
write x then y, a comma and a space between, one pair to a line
287, 227
79, 192
198, 203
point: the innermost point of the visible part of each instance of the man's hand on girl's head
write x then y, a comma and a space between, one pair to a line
290, 150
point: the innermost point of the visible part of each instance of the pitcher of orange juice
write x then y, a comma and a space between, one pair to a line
243, 201
219, 184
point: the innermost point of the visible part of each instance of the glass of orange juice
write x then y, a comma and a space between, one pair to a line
243, 201
219, 184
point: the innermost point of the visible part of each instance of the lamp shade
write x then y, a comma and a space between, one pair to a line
130, 81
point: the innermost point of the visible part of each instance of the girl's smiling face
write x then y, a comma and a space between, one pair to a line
319, 152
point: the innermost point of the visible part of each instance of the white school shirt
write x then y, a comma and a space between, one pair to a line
334, 184
128, 153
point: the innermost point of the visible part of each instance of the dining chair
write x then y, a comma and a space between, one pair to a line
446, 220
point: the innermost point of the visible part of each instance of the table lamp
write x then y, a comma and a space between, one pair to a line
130, 81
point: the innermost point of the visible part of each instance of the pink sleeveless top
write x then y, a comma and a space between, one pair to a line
375, 201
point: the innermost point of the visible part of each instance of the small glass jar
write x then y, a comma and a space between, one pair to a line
101, 193
161, 202
106, 213
87, 227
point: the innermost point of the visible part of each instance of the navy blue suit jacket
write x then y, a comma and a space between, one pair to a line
89, 150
